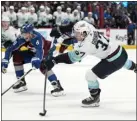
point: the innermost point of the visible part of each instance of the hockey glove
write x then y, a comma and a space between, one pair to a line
48, 64
35, 62
4, 65
55, 33
7, 43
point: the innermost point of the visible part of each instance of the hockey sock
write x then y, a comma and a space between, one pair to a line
93, 85
91, 80
51, 76
19, 70
130, 65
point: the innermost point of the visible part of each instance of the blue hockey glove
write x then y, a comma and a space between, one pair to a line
4, 65
35, 62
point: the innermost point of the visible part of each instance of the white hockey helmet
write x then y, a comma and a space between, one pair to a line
47, 9
32, 9
2, 7
11, 7
23, 8
5, 18
5, 22
42, 7
69, 9
81, 30
59, 8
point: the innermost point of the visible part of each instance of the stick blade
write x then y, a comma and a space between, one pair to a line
43, 113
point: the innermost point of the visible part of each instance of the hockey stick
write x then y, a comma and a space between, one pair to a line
64, 44
17, 81
44, 99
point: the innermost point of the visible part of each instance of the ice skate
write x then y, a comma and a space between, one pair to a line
93, 100
20, 86
58, 90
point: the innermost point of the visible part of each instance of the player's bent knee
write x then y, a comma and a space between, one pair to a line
90, 75
17, 58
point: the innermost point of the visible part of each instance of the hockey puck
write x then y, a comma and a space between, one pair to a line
43, 114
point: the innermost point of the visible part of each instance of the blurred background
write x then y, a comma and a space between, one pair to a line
108, 14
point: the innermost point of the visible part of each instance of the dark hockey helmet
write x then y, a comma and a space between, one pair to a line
27, 28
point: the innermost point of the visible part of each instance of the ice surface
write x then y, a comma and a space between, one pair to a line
118, 96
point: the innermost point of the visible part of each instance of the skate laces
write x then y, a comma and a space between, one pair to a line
89, 98
19, 83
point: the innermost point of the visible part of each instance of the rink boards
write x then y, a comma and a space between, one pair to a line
118, 35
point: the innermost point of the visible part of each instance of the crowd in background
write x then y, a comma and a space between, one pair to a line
50, 13
116, 15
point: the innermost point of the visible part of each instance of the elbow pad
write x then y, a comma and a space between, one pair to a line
68, 28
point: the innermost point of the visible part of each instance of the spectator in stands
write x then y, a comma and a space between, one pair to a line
131, 33
107, 23
2, 9
41, 15
134, 15
68, 14
96, 15
48, 19
113, 23
29, 5
12, 15
62, 4
22, 17
75, 16
89, 18
32, 17
3, 13
107, 14
115, 14
41, 10
81, 13
6, 6
58, 16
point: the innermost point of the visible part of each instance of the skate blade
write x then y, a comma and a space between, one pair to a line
21, 89
91, 105
57, 94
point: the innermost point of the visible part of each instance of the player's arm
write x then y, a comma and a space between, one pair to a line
7, 43
58, 31
8, 54
15, 46
68, 58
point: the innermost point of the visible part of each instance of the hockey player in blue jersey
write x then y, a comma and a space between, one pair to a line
37, 49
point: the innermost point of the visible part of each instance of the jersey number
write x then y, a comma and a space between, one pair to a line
37, 43
80, 53
99, 43
103, 45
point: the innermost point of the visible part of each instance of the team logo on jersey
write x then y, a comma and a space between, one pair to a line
37, 43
